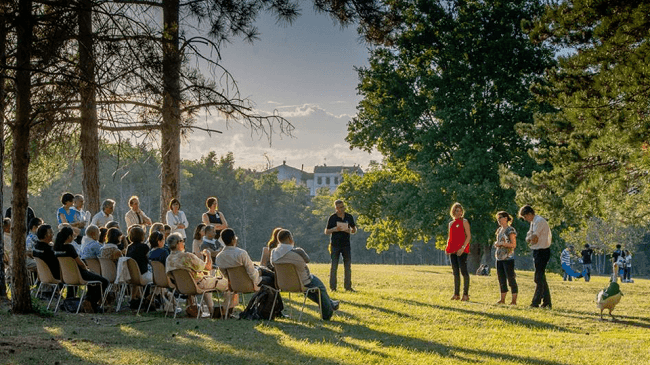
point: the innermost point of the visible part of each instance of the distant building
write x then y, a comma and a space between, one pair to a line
323, 176
331, 176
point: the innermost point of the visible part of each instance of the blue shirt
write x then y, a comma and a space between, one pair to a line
68, 216
91, 250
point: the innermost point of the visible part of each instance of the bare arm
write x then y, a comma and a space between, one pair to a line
208, 259
81, 264
223, 224
468, 237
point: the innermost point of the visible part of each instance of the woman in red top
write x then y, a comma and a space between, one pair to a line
458, 248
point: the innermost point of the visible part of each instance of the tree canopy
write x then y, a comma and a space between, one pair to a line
598, 131
441, 98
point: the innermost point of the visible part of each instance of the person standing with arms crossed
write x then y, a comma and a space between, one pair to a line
539, 238
340, 225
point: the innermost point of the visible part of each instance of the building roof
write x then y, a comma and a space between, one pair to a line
337, 169
285, 167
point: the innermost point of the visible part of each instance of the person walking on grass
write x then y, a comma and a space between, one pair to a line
539, 238
458, 249
505, 255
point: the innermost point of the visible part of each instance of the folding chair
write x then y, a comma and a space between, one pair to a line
109, 271
71, 276
288, 280
239, 281
94, 266
184, 283
135, 279
160, 281
266, 256
45, 277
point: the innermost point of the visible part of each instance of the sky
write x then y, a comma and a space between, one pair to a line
305, 72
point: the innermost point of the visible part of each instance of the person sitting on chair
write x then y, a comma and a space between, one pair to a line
286, 253
91, 248
233, 256
179, 259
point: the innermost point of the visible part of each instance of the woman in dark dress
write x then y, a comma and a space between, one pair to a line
63, 248
214, 217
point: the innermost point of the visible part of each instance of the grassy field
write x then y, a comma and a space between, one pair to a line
400, 315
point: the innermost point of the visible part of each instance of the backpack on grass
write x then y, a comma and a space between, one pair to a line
260, 304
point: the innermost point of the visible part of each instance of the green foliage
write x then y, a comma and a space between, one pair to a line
441, 98
598, 132
47, 159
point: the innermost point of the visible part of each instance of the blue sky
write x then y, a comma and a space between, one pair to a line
305, 71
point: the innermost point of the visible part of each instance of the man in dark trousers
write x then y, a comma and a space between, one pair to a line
539, 238
586, 261
340, 225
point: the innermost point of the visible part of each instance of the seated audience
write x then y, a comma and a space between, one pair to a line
179, 259
266, 251
102, 235
64, 248
110, 249
210, 243
199, 232
43, 249
233, 256
91, 249
32, 238
158, 252
138, 251
6, 239
286, 253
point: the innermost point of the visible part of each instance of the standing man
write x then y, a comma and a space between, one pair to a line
340, 225
586, 261
539, 238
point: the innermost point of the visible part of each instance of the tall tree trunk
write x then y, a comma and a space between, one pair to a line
87, 92
3, 68
21, 299
171, 112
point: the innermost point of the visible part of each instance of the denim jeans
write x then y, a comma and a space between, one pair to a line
586, 268
347, 266
326, 303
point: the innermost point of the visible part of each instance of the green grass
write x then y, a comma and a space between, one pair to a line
400, 315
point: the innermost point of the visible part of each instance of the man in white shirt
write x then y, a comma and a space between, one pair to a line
233, 256
105, 215
539, 238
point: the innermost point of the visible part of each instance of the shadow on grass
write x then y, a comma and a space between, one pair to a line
379, 309
390, 340
516, 320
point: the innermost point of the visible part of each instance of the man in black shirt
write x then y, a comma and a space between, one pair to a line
43, 249
340, 225
586, 261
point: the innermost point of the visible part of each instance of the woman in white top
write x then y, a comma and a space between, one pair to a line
176, 218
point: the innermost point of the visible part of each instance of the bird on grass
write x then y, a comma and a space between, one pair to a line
608, 298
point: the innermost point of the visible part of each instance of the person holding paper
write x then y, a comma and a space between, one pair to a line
340, 225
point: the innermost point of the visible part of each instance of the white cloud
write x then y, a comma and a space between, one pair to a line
319, 137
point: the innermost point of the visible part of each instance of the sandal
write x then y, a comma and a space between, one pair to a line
465, 298
455, 297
